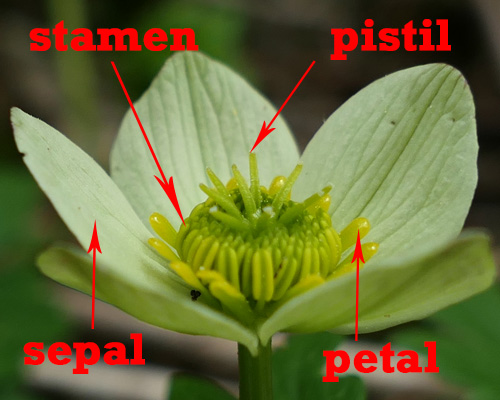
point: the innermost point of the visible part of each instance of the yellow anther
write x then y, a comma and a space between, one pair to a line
335, 246
181, 235
256, 271
210, 258
369, 249
207, 277
349, 234
163, 228
233, 267
262, 276
227, 265
228, 295
246, 273
276, 185
163, 249
323, 203
286, 189
284, 277
344, 269
305, 268
232, 184
315, 261
193, 248
187, 274
220, 262
302, 287
232, 299
202, 252
325, 262
268, 275
187, 245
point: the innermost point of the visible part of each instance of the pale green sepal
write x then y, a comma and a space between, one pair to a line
168, 306
82, 193
391, 293
197, 114
401, 153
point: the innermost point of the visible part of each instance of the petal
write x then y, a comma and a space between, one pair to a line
132, 277
391, 292
402, 153
163, 302
197, 114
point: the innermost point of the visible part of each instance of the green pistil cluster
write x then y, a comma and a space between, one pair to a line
249, 247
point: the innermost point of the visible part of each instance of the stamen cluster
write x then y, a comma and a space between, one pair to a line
250, 247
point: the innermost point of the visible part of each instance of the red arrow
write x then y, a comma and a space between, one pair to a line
358, 255
266, 130
167, 186
94, 245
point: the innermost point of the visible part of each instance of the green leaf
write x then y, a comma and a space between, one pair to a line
188, 387
132, 276
18, 198
197, 114
20, 394
298, 370
402, 153
27, 316
392, 292
467, 343
27, 312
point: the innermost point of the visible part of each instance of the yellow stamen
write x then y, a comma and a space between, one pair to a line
335, 246
302, 287
276, 185
323, 202
163, 228
163, 249
284, 278
349, 234
207, 277
232, 184
232, 299
187, 275
369, 249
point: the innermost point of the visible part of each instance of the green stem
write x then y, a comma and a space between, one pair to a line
255, 373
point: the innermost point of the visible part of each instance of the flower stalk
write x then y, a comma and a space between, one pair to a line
255, 373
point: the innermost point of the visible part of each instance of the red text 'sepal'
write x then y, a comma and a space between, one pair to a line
86, 353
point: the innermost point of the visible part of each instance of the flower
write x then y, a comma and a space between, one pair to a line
400, 153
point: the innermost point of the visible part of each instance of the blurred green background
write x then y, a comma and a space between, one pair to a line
271, 44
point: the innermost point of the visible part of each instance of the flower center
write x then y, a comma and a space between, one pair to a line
251, 248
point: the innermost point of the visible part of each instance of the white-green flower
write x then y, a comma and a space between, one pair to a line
401, 153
